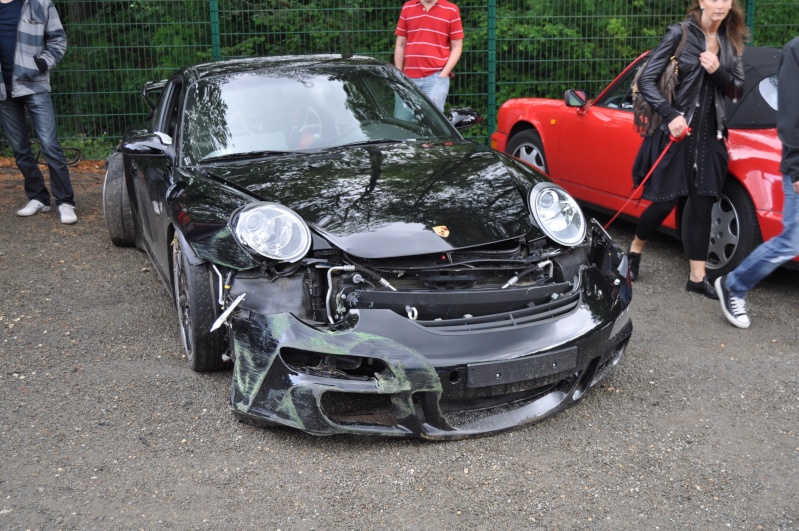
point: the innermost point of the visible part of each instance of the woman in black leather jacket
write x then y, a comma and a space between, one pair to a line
709, 69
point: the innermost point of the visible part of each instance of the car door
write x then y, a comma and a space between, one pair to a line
602, 144
151, 175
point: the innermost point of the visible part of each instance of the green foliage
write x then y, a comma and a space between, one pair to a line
542, 46
93, 148
89, 148
776, 22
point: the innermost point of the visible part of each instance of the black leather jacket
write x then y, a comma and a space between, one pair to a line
729, 78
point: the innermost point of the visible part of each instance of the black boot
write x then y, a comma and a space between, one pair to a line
634, 260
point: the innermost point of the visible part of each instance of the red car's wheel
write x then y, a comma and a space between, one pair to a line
527, 146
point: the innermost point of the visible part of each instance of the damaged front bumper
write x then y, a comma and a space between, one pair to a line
447, 379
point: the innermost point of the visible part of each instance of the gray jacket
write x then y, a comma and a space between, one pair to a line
40, 34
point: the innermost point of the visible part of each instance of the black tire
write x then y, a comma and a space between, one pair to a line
116, 204
734, 230
527, 147
197, 311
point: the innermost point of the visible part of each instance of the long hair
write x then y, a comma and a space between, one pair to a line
733, 24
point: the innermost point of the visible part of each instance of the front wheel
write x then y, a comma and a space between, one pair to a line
734, 230
194, 300
527, 147
116, 204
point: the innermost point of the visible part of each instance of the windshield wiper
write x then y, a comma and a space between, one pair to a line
375, 142
251, 155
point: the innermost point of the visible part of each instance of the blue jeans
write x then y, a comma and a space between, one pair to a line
771, 254
40, 109
435, 87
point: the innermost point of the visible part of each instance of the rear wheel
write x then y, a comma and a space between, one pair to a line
194, 300
734, 230
527, 147
116, 204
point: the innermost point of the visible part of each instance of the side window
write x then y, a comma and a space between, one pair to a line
768, 90
158, 112
166, 114
174, 111
621, 95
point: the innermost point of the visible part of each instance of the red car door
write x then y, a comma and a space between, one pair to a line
603, 145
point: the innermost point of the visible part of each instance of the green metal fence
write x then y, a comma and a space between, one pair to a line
512, 48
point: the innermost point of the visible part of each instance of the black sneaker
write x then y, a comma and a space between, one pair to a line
734, 308
705, 288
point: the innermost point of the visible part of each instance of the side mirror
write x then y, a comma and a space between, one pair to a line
150, 144
464, 118
575, 98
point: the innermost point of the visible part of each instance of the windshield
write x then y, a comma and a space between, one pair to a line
267, 112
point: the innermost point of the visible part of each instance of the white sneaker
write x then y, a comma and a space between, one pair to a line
734, 308
67, 213
34, 206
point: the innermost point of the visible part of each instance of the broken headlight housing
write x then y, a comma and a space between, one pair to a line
273, 231
557, 214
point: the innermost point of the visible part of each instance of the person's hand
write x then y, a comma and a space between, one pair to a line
678, 126
41, 64
796, 186
709, 61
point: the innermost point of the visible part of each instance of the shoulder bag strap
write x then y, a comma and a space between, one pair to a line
682, 40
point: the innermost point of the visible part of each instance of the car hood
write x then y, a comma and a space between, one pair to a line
396, 199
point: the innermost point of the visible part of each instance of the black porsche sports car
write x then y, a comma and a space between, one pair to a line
364, 268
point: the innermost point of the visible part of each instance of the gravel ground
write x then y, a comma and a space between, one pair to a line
104, 427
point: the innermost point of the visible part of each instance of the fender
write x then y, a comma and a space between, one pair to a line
188, 250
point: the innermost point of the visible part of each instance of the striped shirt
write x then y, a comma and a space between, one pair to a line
429, 34
39, 35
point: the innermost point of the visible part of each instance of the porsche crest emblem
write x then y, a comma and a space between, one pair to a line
441, 230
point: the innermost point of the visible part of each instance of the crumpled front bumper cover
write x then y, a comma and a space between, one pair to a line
424, 381
404, 399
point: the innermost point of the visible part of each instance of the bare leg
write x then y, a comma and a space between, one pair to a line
698, 271
637, 246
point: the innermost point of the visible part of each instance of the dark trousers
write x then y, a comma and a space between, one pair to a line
40, 109
699, 221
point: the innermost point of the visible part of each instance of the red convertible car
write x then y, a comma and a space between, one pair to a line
588, 147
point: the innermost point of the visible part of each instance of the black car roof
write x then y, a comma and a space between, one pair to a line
752, 111
249, 64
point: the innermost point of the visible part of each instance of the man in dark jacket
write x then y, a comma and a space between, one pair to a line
32, 42
733, 287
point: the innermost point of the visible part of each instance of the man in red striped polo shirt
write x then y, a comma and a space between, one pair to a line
429, 45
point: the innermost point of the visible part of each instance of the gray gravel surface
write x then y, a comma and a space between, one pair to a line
103, 426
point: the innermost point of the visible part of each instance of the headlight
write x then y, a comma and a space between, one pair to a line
273, 231
557, 214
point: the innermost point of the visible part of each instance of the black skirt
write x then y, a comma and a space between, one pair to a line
668, 180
